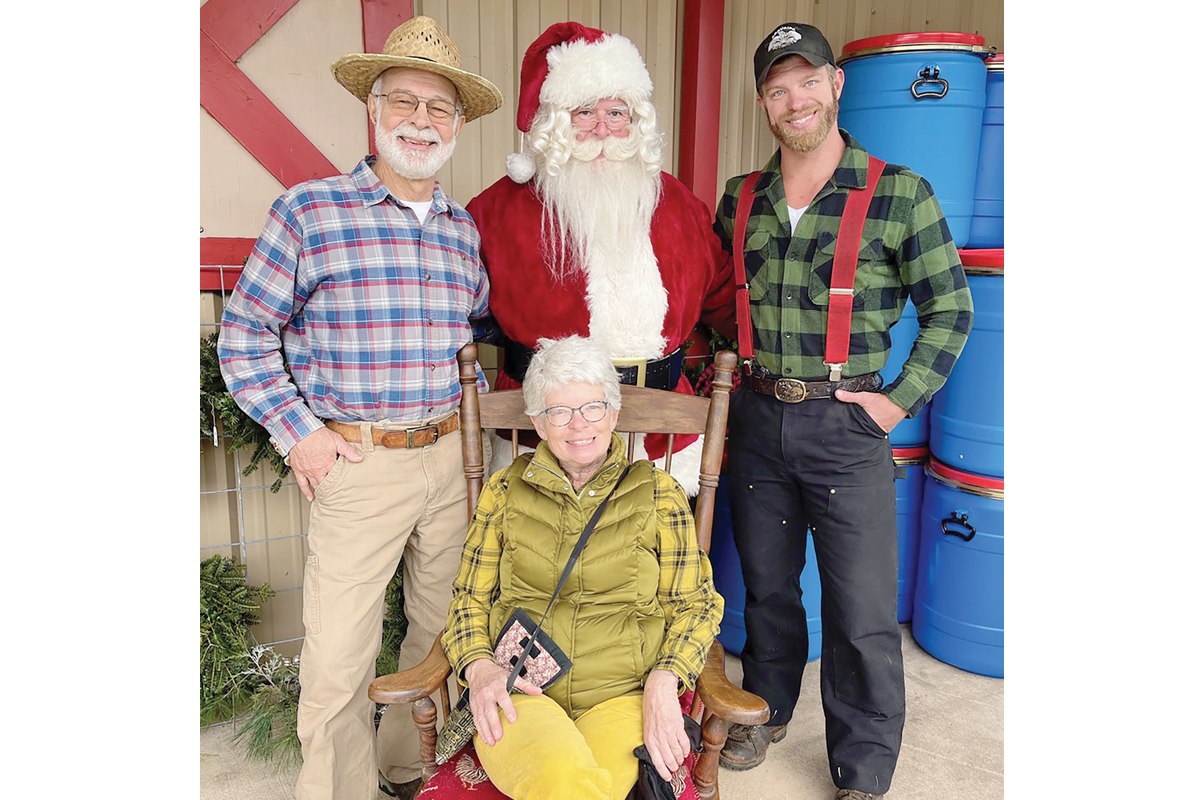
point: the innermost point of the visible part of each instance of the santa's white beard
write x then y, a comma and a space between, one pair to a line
594, 203
597, 219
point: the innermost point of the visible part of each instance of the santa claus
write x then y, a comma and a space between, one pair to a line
601, 242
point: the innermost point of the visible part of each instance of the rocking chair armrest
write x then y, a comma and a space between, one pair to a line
416, 682
723, 699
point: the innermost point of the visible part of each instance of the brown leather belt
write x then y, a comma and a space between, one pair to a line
790, 390
410, 437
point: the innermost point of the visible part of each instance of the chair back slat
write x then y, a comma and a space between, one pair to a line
642, 411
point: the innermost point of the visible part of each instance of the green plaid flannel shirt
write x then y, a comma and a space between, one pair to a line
906, 252
691, 606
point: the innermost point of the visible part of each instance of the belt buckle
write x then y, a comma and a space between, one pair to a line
786, 391
389, 439
639, 367
411, 431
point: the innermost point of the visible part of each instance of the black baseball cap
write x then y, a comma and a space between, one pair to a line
791, 39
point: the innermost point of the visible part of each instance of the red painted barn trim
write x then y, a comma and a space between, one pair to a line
241, 108
381, 17
221, 261
219, 250
235, 25
699, 123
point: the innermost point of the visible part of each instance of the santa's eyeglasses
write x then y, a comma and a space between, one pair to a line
615, 118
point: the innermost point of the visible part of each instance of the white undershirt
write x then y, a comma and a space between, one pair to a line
794, 215
420, 209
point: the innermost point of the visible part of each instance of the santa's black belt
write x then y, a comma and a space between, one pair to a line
655, 373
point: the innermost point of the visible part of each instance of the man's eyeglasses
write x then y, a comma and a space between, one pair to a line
559, 416
615, 118
404, 105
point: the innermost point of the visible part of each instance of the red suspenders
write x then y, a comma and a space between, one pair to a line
742, 295
845, 263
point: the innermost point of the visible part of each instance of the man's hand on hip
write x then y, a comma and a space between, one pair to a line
312, 457
886, 414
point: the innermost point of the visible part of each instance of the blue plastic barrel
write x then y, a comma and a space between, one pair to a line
958, 610
917, 99
987, 220
915, 431
910, 490
727, 577
966, 426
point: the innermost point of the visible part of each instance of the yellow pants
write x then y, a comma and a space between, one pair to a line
546, 755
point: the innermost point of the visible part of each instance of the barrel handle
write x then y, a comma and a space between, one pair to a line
959, 518
929, 75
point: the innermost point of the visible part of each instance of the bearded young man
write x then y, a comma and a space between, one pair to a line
601, 242
808, 446
367, 283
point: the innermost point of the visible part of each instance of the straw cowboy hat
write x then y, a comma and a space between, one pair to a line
419, 43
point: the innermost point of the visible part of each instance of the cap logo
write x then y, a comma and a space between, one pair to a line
783, 37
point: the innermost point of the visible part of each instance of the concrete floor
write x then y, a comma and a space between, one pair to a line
953, 745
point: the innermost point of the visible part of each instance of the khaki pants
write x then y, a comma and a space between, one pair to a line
365, 516
545, 755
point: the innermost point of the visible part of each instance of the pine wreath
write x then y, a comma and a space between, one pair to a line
218, 409
228, 610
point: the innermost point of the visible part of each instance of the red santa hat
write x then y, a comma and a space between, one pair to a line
571, 65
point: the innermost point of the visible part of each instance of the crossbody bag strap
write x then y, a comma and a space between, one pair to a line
742, 293
845, 264
583, 537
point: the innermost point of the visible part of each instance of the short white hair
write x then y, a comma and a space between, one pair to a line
561, 362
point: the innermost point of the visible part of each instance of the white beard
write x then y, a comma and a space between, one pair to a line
597, 215
408, 163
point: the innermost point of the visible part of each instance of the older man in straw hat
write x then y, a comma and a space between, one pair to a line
365, 283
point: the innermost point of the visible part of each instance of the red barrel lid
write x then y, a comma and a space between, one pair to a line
994, 63
922, 40
908, 456
967, 481
982, 260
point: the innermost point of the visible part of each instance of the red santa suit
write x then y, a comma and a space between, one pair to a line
639, 299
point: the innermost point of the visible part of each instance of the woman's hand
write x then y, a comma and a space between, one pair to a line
487, 681
662, 723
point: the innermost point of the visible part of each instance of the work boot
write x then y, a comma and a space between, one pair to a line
854, 794
404, 791
746, 746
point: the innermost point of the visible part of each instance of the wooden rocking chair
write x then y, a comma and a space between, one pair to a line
716, 703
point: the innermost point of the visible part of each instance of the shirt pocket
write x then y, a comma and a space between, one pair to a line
874, 270
762, 249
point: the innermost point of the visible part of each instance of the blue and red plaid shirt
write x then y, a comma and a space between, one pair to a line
369, 307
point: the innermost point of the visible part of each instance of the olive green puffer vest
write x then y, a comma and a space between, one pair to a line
607, 618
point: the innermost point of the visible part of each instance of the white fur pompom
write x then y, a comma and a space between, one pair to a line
519, 167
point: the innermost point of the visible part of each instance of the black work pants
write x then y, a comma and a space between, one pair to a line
822, 465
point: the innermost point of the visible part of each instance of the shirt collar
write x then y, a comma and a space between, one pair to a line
850, 173
374, 192
550, 479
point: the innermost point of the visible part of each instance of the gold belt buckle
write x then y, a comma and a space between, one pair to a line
639, 365
790, 390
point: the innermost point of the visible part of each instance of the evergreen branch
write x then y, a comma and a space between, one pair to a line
217, 407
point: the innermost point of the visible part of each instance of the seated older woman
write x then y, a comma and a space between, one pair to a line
636, 616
